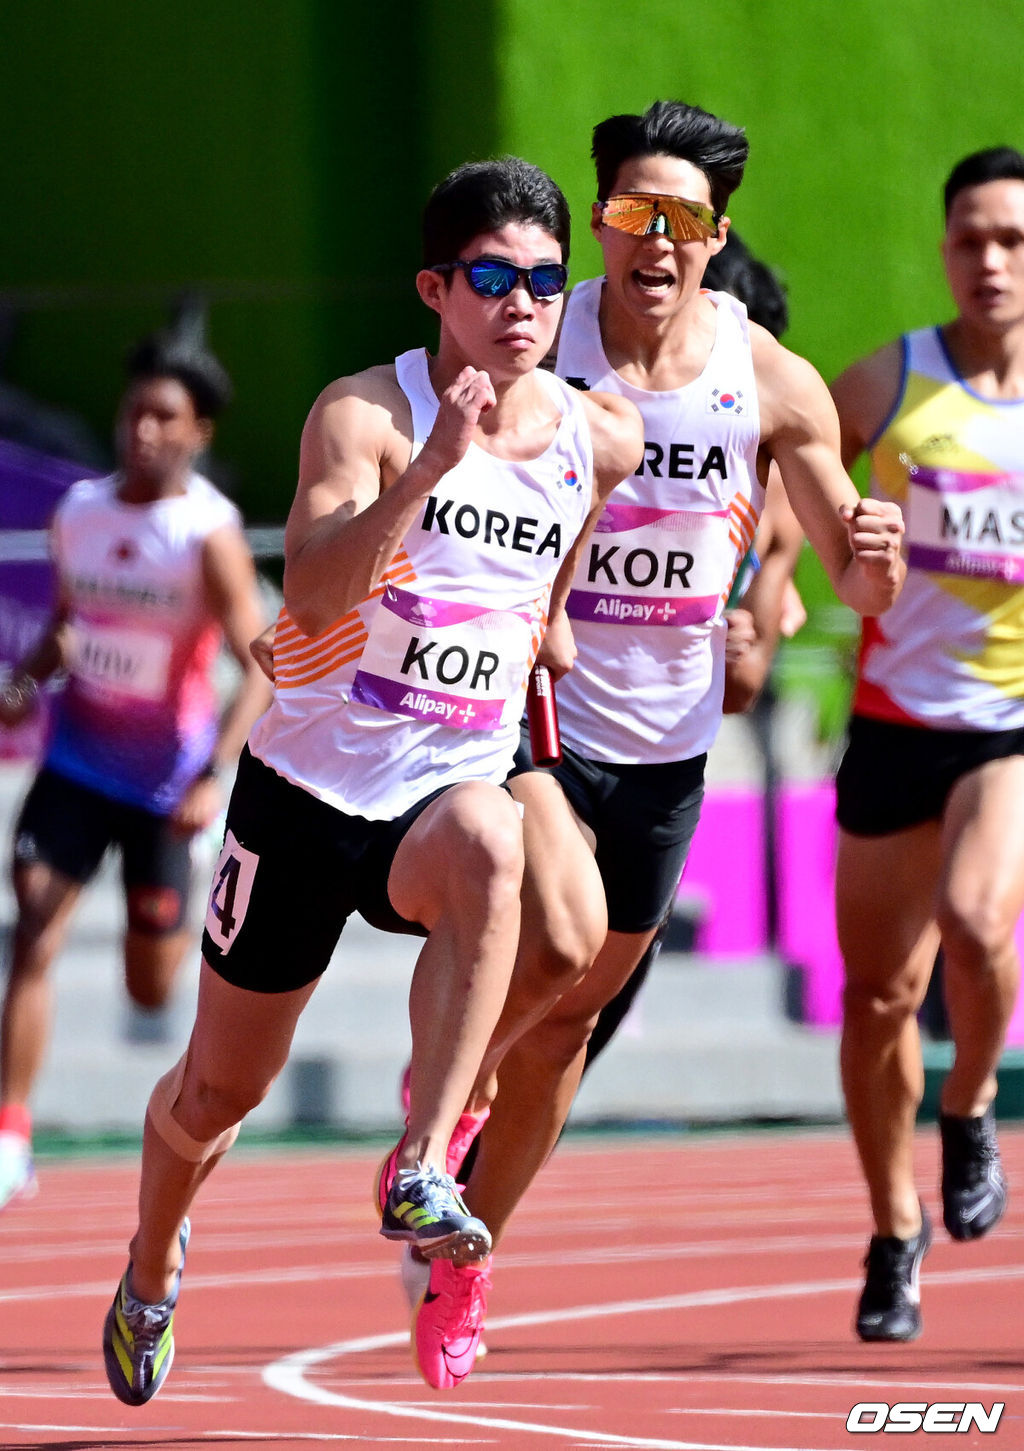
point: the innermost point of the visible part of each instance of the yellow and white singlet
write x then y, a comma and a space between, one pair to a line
950, 652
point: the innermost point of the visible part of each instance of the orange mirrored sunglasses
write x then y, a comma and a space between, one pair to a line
644, 213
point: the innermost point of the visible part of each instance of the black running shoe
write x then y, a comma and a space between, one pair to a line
973, 1182
890, 1306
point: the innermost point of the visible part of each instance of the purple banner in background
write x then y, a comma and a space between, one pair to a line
30, 485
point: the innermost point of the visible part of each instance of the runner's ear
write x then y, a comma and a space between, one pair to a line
431, 288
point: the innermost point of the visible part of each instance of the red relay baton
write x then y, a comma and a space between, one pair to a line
542, 714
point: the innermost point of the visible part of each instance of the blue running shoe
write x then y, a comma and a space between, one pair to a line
424, 1208
138, 1346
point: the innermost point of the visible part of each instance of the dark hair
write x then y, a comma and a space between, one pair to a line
180, 352
736, 270
484, 196
671, 128
997, 163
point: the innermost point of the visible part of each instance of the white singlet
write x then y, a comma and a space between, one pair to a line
423, 684
647, 598
137, 719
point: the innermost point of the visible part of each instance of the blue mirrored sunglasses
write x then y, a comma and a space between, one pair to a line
494, 277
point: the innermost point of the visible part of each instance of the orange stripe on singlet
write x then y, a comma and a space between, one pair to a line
302, 659
742, 530
742, 522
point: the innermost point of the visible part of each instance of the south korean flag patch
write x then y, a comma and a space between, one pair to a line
723, 401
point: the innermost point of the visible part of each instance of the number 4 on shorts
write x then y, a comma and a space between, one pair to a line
229, 896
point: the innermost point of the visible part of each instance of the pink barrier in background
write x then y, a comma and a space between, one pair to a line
725, 876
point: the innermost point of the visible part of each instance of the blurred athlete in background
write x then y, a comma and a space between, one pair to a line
153, 571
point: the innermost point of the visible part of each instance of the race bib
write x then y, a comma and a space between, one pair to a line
230, 892
647, 566
126, 662
967, 525
453, 664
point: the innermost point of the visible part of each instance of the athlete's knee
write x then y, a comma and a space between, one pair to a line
484, 841
151, 966
35, 942
883, 1005
977, 935
155, 911
559, 1038
197, 1113
566, 951
213, 1119
148, 993
43, 899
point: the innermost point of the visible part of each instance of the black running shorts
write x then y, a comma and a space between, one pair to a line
292, 871
70, 827
893, 776
643, 818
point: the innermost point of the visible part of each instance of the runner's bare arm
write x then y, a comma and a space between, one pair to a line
857, 540
779, 541
865, 395
618, 434
229, 580
358, 493
48, 655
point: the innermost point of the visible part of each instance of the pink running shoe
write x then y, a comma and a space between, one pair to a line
466, 1130
386, 1175
449, 1324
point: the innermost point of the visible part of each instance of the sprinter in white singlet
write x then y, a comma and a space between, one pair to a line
434, 527
930, 790
152, 573
764, 604
721, 401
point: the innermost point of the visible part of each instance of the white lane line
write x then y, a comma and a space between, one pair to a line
597, 1255
290, 1374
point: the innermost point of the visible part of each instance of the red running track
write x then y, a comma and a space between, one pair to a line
670, 1292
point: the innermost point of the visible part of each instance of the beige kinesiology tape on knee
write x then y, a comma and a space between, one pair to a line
161, 1103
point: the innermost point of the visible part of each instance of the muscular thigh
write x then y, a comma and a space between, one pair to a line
562, 892
461, 837
983, 841
885, 903
641, 820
